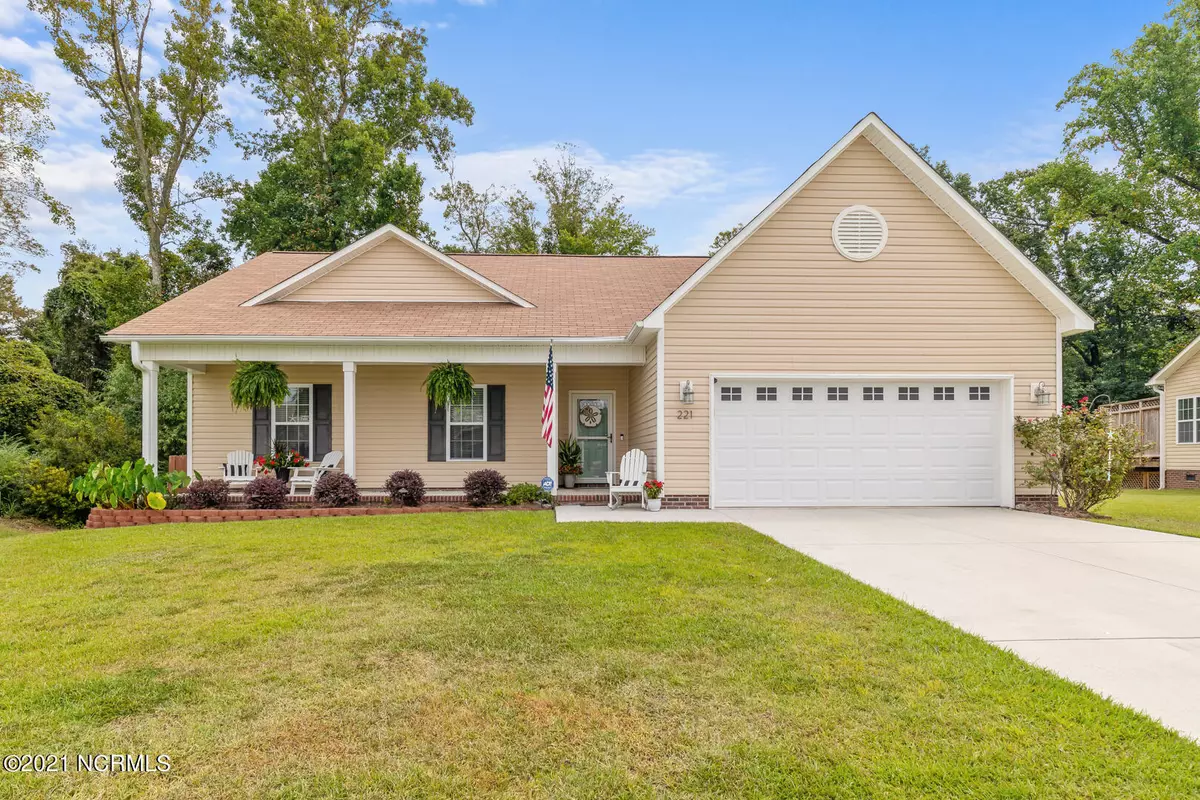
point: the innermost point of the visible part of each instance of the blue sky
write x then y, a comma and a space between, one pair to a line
699, 112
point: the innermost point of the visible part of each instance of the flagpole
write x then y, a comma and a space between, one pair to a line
552, 445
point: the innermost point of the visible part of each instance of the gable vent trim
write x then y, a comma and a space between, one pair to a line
860, 233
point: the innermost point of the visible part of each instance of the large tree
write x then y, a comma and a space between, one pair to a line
347, 89
160, 109
24, 125
582, 216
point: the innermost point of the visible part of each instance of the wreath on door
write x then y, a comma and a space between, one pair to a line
591, 413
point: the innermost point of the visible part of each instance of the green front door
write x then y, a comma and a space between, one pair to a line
593, 430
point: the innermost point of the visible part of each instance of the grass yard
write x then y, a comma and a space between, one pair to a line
499, 654
1169, 510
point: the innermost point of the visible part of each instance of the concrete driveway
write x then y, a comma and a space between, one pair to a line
1115, 608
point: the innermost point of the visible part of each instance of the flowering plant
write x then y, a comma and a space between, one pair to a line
281, 459
654, 489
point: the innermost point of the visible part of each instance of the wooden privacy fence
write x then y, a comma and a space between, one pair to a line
1141, 415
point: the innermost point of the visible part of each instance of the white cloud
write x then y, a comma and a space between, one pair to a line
723, 219
76, 168
69, 104
13, 14
1021, 146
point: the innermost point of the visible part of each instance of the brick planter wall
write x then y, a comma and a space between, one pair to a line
1039, 503
125, 517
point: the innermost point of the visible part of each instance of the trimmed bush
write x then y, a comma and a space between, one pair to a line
336, 490
484, 487
526, 493
48, 496
405, 487
266, 491
206, 493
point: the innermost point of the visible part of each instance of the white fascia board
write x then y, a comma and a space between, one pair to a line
273, 339
333, 260
1071, 317
1175, 363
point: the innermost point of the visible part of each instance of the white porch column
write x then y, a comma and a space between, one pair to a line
349, 438
552, 450
150, 412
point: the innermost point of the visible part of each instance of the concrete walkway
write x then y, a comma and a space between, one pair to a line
1117, 609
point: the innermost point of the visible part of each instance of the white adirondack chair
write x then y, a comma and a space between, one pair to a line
238, 466
630, 480
307, 477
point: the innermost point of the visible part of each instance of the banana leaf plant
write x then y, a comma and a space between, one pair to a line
134, 484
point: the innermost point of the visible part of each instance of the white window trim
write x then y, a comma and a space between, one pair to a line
1195, 409
312, 415
450, 424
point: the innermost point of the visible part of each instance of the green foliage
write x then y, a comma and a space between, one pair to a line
123, 394
723, 238
29, 388
525, 494
127, 486
583, 217
71, 441
161, 110
257, 384
24, 125
324, 195
449, 384
15, 456
570, 456
199, 259
1078, 454
48, 496
347, 90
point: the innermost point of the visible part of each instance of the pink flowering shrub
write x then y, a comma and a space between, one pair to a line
1079, 454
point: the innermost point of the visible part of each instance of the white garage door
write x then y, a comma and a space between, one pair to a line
848, 443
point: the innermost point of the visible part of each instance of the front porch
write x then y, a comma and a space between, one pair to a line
376, 413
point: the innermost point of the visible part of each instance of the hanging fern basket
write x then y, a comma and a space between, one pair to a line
449, 384
257, 384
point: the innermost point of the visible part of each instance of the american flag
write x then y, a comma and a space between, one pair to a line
548, 401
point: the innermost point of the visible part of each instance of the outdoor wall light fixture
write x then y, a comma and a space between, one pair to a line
687, 394
1040, 393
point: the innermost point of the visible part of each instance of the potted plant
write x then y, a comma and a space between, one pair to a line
449, 384
653, 490
570, 461
281, 462
257, 384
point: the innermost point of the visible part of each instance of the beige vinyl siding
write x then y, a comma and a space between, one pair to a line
1184, 382
643, 406
595, 379
786, 301
218, 428
393, 432
393, 271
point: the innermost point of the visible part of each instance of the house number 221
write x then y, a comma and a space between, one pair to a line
683, 413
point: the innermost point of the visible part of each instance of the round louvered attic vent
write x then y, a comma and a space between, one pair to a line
859, 233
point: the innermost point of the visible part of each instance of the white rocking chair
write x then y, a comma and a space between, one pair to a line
630, 480
308, 476
238, 466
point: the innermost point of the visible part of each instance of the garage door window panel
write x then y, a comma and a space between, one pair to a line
766, 394
909, 393
943, 393
802, 393
837, 393
872, 393
731, 394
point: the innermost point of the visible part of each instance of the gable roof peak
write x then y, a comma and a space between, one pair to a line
387, 232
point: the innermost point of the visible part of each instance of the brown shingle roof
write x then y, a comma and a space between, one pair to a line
572, 296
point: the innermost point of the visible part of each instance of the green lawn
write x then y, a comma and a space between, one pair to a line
497, 654
1169, 510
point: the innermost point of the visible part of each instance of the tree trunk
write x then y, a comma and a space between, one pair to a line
154, 235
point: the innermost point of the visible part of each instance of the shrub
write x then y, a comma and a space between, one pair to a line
484, 487
71, 441
405, 487
524, 493
1079, 455
131, 485
14, 471
48, 496
336, 490
206, 493
29, 387
266, 491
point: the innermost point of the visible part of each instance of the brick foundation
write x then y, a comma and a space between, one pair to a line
685, 501
1178, 478
1038, 503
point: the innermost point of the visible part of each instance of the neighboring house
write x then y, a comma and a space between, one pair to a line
865, 340
1178, 383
